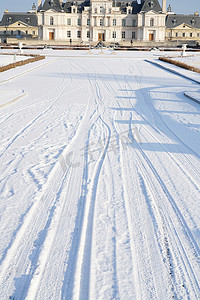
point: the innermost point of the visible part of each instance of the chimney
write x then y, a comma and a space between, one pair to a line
164, 6
39, 4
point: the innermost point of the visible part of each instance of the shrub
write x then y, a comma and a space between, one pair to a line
22, 63
179, 64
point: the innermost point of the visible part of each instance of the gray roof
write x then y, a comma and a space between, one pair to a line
10, 18
79, 3
52, 4
151, 5
175, 20
136, 8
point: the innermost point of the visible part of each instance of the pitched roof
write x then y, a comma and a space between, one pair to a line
79, 3
176, 20
52, 4
10, 18
151, 5
136, 8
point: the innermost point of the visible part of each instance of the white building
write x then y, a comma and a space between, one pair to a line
102, 20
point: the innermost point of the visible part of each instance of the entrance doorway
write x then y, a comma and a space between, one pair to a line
51, 35
101, 37
151, 36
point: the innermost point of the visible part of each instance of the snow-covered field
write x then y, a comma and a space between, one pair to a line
99, 180
9, 59
191, 60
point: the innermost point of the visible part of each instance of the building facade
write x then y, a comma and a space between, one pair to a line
15, 26
182, 28
101, 20
92, 21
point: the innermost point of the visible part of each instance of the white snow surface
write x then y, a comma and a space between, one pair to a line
9, 59
99, 179
191, 60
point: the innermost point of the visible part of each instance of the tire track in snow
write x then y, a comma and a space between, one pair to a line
13, 256
130, 229
192, 178
166, 242
183, 253
178, 215
32, 122
82, 273
79, 268
35, 283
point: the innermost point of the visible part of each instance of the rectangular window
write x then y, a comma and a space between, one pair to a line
114, 22
33, 32
79, 34
184, 34
133, 35
190, 34
88, 22
114, 34
134, 23
101, 22
79, 22
123, 34
68, 21
151, 22
51, 20
88, 34
123, 22
12, 32
176, 34
26, 32
68, 33
101, 9
198, 34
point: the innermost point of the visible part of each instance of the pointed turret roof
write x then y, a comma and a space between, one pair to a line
52, 4
151, 5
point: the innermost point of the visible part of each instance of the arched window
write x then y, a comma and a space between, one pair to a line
151, 22
51, 20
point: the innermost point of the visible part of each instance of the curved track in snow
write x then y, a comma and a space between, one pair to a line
100, 184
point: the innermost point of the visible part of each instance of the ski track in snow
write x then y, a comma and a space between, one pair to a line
112, 219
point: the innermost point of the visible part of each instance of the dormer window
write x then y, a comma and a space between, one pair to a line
9, 19
192, 22
51, 2
151, 4
28, 20
174, 21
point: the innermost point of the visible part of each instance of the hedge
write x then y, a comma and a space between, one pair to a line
179, 64
22, 63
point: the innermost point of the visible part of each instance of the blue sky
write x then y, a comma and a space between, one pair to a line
178, 6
